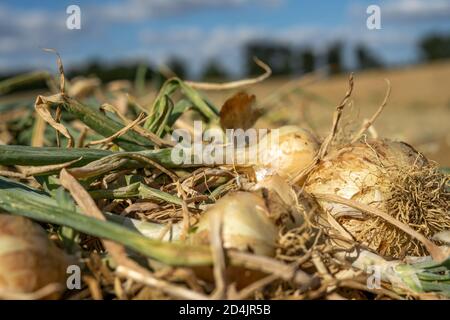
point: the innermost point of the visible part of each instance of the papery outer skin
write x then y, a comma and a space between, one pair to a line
288, 197
246, 224
360, 173
28, 259
296, 149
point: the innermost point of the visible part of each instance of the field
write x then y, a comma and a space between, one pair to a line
418, 110
91, 166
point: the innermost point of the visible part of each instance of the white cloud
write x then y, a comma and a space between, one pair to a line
23, 32
138, 10
171, 36
22, 36
408, 10
19, 29
199, 45
417, 9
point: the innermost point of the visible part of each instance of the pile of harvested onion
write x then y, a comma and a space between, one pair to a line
372, 173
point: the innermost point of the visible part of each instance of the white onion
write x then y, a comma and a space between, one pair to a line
282, 201
251, 221
359, 173
28, 259
366, 173
246, 224
295, 150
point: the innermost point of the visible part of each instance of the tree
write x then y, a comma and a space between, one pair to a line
177, 66
308, 60
109, 72
213, 70
277, 56
334, 58
434, 47
366, 59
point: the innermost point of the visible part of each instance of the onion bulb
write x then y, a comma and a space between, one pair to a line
286, 209
285, 152
379, 174
246, 224
28, 259
251, 221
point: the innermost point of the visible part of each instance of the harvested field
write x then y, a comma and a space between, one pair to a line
89, 181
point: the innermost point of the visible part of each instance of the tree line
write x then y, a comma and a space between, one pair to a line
285, 60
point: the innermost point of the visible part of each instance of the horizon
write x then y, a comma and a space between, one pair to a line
197, 31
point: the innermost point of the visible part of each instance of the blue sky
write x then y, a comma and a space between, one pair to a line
197, 30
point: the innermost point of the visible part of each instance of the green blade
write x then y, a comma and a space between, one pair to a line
34, 156
100, 123
21, 200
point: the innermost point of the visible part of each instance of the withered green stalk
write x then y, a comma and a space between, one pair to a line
135, 190
41, 156
99, 122
21, 200
23, 79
